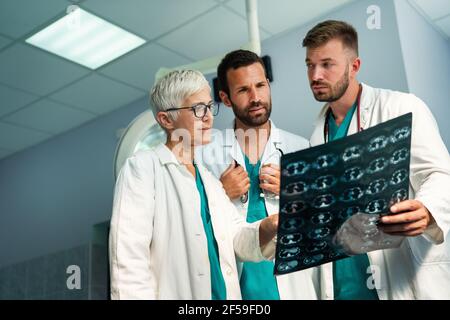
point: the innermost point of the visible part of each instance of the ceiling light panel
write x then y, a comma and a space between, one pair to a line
85, 39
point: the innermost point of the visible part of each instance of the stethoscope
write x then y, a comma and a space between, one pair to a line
244, 197
358, 114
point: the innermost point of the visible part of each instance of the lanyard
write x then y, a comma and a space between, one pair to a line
358, 115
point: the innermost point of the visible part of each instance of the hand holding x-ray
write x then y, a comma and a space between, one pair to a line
361, 234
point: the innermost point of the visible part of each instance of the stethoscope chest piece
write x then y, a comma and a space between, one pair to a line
244, 197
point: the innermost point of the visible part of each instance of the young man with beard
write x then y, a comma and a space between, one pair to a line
245, 157
420, 268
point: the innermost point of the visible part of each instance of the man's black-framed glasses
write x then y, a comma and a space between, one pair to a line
200, 109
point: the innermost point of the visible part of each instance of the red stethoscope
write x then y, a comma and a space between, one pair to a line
358, 114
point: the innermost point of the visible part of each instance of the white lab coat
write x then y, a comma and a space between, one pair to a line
158, 247
420, 268
217, 157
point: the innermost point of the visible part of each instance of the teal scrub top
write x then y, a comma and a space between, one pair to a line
257, 279
218, 289
349, 274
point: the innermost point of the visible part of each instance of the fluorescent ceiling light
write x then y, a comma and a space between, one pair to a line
85, 39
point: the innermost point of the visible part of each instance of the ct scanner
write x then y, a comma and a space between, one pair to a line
141, 134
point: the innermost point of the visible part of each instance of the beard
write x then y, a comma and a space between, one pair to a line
253, 120
335, 92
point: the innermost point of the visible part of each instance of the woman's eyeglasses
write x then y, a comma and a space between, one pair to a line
201, 109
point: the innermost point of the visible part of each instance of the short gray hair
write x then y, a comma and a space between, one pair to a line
171, 90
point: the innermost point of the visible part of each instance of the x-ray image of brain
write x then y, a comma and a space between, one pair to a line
333, 254
293, 207
295, 188
324, 182
314, 259
399, 195
292, 224
385, 242
376, 186
370, 233
319, 233
376, 206
325, 161
371, 221
352, 194
289, 253
317, 246
399, 176
352, 153
367, 244
296, 169
352, 174
399, 156
287, 266
377, 165
323, 201
377, 143
348, 212
400, 134
291, 239
321, 218
333, 195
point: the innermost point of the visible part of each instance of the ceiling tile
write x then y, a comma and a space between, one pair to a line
148, 18
434, 9
213, 34
139, 67
12, 99
4, 41
98, 94
49, 116
4, 153
293, 12
36, 71
16, 138
19, 17
444, 24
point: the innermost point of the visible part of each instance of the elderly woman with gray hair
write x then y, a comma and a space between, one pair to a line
174, 232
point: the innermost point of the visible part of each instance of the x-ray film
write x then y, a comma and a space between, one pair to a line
333, 195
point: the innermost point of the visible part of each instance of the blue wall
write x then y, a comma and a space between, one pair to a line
426, 56
291, 94
52, 194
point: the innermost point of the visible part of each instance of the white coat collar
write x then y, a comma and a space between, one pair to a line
235, 151
165, 155
368, 98
367, 101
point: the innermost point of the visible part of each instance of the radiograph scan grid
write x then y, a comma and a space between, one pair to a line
328, 190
